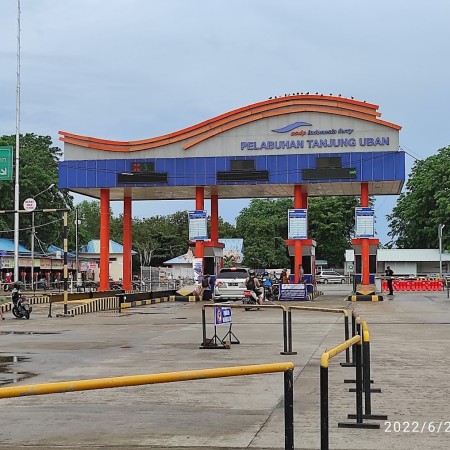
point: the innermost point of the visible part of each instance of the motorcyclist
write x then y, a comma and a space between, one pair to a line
15, 294
253, 285
267, 285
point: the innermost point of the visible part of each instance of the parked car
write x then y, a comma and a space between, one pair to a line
230, 283
330, 276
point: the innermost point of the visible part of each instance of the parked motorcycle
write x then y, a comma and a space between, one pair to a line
22, 309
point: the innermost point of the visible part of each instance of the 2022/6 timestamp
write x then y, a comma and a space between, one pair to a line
417, 427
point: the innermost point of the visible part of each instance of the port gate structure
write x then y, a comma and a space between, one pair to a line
296, 146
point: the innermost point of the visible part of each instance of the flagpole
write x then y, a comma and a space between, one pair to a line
16, 184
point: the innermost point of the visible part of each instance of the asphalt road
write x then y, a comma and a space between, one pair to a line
410, 362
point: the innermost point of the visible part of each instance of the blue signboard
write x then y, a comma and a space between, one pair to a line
222, 315
298, 224
292, 292
364, 222
197, 225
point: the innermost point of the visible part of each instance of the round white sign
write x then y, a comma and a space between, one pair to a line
29, 204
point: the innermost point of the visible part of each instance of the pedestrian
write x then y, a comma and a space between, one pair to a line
206, 291
389, 272
301, 272
284, 277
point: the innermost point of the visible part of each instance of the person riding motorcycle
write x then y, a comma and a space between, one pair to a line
15, 294
253, 285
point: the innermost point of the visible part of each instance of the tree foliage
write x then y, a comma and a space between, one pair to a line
38, 170
424, 205
331, 225
264, 227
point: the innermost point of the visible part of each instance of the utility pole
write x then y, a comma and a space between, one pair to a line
440, 228
16, 179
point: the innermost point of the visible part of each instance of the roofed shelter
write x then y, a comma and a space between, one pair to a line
293, 146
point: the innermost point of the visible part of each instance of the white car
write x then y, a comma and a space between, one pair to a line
230, 283
330, 276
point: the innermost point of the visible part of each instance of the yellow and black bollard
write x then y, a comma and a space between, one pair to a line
359, 391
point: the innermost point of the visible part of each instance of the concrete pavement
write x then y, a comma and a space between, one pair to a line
410, 363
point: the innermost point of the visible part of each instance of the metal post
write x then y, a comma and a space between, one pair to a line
440, 228
33, 231
352, 362
16, 178
289, 409
204, 327
324, 413
287, 334
347, 337
359, 385
76, 248
66, 294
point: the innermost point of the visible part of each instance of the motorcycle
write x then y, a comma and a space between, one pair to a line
268, 288
22, 309
250, 299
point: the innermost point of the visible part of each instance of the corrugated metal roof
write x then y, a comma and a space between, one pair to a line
410, 254
403, 255
7, 245
93, 247
232, 247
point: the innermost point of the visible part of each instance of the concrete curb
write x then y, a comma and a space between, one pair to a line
365, 298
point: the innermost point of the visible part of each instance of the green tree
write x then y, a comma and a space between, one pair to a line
331, 222
38, 170
263, 226
423, 205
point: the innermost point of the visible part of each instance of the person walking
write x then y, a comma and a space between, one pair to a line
389, 272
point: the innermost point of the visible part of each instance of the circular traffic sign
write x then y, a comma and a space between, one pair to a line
29, 204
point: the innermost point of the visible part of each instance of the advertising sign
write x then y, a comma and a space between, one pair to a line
292, 292
364, 222
197, 225
6, 167
222, 315
297, 224
197, 265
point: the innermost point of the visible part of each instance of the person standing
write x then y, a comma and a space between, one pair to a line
206, 292
389, 272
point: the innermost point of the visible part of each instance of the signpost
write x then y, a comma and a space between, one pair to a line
297, 224
365, 220
6, 169
197, 225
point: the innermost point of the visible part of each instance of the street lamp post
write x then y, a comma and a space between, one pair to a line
33, 233
77, 223
440, 228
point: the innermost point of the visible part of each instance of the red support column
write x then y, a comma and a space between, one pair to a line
305, 200
364, 195
365, 273
298, 197
104, 240
215, 218
127, 245
199, 205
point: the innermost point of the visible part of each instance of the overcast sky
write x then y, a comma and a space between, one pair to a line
133, 69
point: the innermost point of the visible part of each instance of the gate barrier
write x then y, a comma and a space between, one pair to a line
351, 361
210, 343
318, 309
366, 377
168, 377
324, 413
